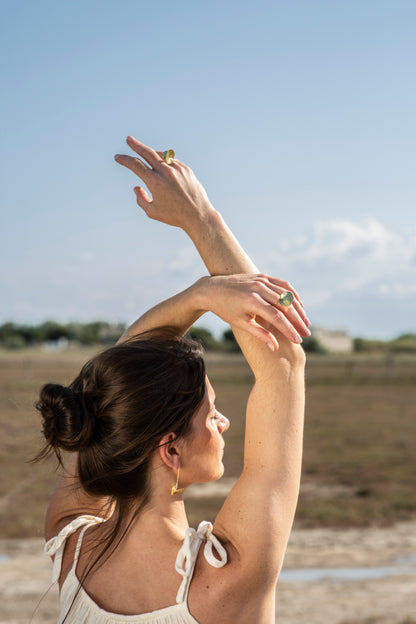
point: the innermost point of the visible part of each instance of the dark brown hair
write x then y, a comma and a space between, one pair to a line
117, 410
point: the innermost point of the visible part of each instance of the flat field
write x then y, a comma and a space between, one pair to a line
359, 454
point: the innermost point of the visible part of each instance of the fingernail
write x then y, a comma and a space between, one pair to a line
307, 332
116, 156
271, 347
297, 338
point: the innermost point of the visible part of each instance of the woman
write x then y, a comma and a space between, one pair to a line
142, 424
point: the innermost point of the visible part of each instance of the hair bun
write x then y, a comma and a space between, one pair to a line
66, 425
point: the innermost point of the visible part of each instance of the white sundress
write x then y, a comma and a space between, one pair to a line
81, 608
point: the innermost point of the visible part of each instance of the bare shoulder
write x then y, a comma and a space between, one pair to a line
54, 523
57, 518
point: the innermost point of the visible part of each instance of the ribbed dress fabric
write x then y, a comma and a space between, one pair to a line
83, 610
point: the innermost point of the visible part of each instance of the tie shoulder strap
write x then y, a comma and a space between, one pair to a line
187, 555
55, 547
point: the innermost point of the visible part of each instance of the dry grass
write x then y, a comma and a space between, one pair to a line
359, 459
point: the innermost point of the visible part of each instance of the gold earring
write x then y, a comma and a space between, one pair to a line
175, 489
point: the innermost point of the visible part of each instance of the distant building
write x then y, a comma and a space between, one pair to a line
333, 340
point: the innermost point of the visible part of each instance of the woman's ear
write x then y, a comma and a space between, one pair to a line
169, 450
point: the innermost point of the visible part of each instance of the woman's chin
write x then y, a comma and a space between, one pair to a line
211, 476
219, 473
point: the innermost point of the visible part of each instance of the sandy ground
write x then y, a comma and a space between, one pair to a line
390, 600
24, 579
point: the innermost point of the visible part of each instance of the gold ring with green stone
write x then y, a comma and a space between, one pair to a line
286, 299
168, 156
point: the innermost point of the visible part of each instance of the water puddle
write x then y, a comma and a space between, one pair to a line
404, 565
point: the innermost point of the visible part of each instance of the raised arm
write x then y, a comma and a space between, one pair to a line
180, 200
227, 296
257, 516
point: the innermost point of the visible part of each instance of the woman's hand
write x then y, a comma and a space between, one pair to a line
177, 197
250, 303
246, 301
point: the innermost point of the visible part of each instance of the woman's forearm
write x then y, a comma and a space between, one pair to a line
219, 249
179, 312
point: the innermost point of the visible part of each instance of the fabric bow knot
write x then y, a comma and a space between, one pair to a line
55, 546
187, 555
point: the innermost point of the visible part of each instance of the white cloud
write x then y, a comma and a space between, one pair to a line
355, 274
346, 256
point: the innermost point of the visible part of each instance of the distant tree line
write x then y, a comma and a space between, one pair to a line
406, 343
227, 342
15, 336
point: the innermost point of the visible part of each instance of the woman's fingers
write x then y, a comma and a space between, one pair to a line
295, 319
294, 312
286, 286
134, 164
281, 323
296, 315
275, 288
262, 334
152, 159
175, 164
259, 306
147, 153
301, 311
142, 198
278, 319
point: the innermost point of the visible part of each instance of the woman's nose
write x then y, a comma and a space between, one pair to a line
223, 423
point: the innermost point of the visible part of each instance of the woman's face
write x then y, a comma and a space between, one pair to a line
205, 444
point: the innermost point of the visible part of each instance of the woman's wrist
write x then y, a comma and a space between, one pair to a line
202, 221
200, 295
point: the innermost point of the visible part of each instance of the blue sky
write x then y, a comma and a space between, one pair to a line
297, 117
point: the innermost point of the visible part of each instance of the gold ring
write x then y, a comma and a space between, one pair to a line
168, 156
286, 299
